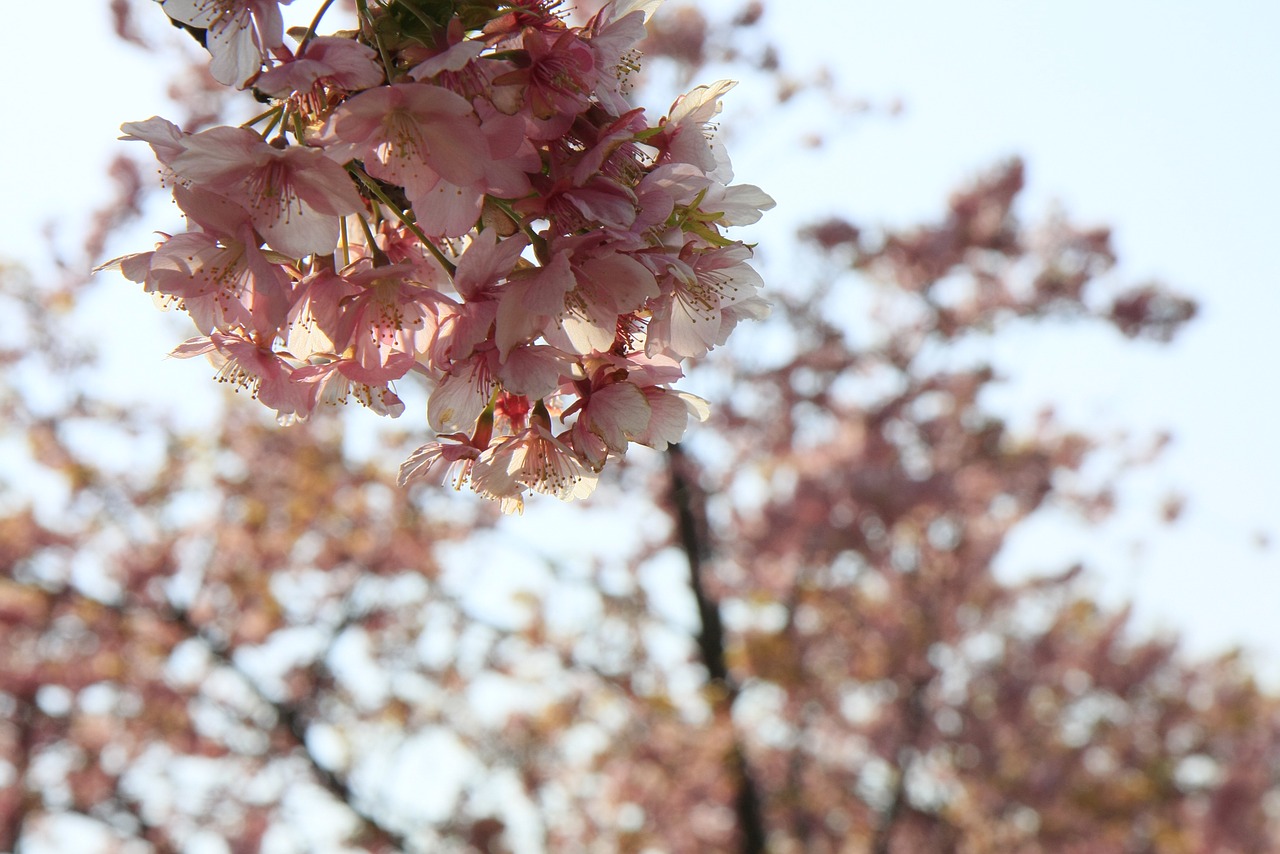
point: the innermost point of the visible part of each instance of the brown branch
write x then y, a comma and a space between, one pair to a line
689, 507
12, 827
295, 723
914, 719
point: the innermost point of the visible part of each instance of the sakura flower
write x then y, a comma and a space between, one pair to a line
740, 204
609, 418
662, 189
704, 283
557, 71
531, 300
219, 276
486, 262
239, 33
683, 137
669, 412
561, 73
612, 33
246, 364
411, 134
608, 284
219, 283
340, 379
294, 195
449, 209
628, 401
572, 209
613, 153
511, 230
531, 370
388, 314
165, 138
336, 63
457, 401
439, 463
578, 308
315, 316
446, 209
536, 370
532, 459
453, 59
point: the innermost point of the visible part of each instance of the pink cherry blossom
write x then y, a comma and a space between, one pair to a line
608, 284
611, 416
703, 283
294, 195
560, 75
457, 401
239, 33
477, 208
388, 314
248, 365
449, 461
531, 459
453, 59
314, 324
329, 61
439, 463
531, 300
165, 138
669, 412
221, 283
341, 379
683, 138
411, 134
218, 275
612, 33
466, 389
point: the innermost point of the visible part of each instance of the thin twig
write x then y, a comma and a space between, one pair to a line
295, 723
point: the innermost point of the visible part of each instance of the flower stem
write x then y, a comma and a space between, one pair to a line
273, 113
311, 30
346, 246
537, 241
376, 191
362, 10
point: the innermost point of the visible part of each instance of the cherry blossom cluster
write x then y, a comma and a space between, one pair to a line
460, 191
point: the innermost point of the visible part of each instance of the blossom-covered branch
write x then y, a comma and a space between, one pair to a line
460, 191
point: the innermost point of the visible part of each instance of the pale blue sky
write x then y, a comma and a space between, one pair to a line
1158, 118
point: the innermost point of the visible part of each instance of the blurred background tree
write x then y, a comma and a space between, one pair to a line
788, 638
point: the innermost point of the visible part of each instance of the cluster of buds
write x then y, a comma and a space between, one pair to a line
458, 190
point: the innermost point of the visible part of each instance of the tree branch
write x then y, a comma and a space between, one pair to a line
295, 723
18, 800
689, 507
914, 719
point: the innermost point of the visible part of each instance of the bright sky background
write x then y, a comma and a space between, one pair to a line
1158, 118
